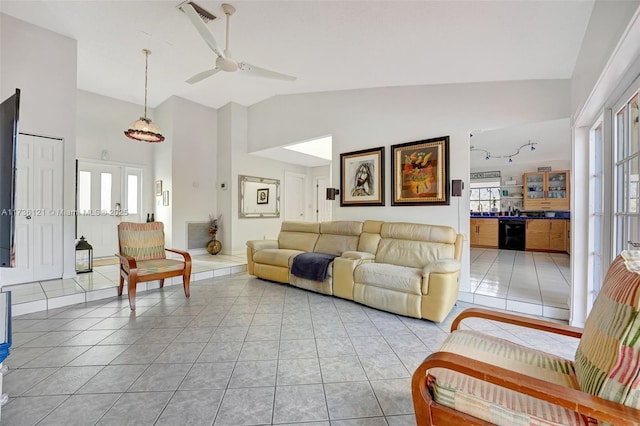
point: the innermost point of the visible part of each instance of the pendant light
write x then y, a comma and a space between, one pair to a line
143, 129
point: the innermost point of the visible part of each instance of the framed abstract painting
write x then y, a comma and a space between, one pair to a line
420, 172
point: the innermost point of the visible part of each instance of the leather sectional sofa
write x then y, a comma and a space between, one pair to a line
405, 268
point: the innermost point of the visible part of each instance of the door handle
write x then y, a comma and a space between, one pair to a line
635, 244
28, 217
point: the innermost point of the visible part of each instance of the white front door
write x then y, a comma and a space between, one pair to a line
294, 196
99, 199
39, 216
107, 194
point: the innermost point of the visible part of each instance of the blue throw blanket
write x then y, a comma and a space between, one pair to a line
312, 266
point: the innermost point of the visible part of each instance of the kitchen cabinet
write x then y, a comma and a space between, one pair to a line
546, 235
546, 190
484, 233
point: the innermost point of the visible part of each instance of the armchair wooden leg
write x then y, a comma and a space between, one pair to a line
132, 294
121, 288
162, 283
186, 278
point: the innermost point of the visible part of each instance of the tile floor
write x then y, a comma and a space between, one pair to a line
103, 282
527, 282
240, 351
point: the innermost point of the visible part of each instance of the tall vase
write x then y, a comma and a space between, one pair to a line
213, 246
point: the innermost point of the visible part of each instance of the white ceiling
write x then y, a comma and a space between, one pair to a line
552, 142
327, 45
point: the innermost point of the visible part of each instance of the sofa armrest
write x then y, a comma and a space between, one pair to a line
441, 266
358, 255
343, 270
262, 244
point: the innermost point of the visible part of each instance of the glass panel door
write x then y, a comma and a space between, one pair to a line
534, 185
557, 185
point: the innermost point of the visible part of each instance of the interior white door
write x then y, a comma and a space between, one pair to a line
39, 214
295, 199
323, 206
99, 200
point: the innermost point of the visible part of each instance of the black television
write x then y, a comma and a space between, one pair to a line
9, 110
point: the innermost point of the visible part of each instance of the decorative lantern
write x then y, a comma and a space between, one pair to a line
84, 256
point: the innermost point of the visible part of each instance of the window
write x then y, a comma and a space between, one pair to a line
485, 196
84, 191
627, 175
105, 192
597, 204
132, 194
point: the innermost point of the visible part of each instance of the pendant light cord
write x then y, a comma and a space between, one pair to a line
146, 68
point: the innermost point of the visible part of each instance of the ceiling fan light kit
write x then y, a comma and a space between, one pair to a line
224, 60
143, 129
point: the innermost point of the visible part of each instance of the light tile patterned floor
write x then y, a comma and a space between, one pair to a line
240, 351
527, 282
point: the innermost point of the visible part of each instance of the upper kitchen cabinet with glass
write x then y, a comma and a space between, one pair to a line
546, 190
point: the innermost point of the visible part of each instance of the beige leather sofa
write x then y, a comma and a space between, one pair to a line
405, 268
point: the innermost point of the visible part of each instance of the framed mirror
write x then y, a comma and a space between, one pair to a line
258, 197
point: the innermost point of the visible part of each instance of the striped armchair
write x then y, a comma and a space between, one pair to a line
142, 258
484, 380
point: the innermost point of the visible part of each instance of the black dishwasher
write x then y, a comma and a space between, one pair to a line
511, 234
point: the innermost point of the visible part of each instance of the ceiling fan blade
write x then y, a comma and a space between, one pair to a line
202, 28
261, 72
202, 75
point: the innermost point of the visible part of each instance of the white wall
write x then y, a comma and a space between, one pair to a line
228, 194
43, 65
608, 22
360, 119
608, 62
232, 138
100, 125
162, 167
194, 141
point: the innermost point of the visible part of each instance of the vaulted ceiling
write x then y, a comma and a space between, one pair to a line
327, 45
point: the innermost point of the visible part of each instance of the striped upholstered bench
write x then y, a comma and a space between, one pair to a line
482, 380
142, 258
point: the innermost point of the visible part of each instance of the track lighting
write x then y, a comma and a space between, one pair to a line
488, 155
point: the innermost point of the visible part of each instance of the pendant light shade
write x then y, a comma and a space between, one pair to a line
143, 129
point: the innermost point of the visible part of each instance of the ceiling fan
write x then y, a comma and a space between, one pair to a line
224, 60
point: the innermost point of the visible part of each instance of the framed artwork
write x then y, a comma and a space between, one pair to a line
263, 196
158, 187
165, 198
420, 172
362, 178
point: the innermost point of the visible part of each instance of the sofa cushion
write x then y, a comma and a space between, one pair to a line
413, 254
300, 236
391, 277
415, 245
370, 236
493, 403
338, 237
275, 257
608, 356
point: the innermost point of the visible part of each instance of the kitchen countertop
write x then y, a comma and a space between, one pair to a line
559, 216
